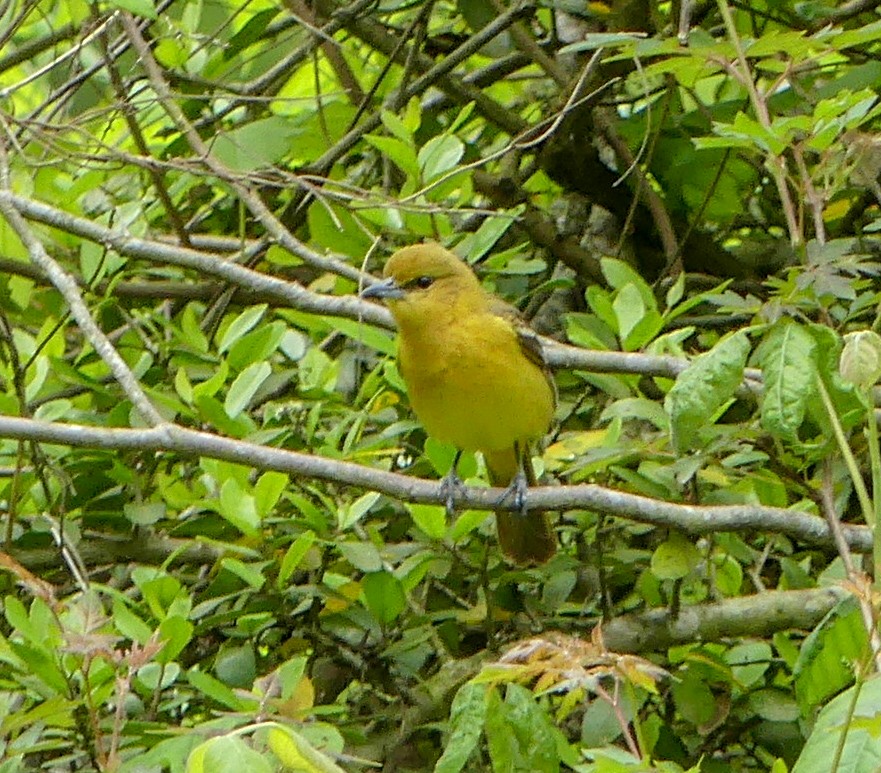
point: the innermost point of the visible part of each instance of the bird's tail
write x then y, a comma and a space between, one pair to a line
525, 538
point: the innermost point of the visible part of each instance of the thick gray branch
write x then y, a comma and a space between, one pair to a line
693, 519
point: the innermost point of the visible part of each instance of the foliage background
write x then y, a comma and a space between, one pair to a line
222, 544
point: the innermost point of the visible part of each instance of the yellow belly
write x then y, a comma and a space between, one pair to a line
471, 385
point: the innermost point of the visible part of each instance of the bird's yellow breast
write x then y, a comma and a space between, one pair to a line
469, 381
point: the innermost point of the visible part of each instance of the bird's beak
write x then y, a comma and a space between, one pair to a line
387, 289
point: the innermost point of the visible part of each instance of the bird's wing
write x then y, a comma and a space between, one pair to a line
529, 342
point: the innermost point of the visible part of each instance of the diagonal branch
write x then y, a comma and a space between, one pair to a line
251, 200
69, 290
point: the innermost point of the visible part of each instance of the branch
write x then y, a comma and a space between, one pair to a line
692, 519
758, 616
69, 290
294, 295
251, 200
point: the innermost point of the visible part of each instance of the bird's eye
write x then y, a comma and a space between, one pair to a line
423, 282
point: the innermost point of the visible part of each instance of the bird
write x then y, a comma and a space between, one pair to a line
476, 379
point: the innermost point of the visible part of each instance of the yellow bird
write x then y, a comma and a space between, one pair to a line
476, 379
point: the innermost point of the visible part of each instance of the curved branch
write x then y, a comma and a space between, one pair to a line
693, 519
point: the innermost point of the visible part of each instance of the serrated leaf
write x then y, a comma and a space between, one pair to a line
789, 363
860, 361
702, 388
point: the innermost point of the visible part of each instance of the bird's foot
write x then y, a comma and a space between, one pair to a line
516, 491
451, 486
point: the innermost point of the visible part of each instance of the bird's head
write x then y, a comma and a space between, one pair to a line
422, 275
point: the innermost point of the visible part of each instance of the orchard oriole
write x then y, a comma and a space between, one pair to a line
475, 376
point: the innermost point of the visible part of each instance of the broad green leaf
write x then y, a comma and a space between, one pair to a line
227, 754
296, 753
251, 574
144, 8
824, 662
860, 361
439, 155
214, 689
238, 507
384, 595
256, 145
788, 360
256, 346
129, 624
400, 153
268, 490
467, 717
350, 514
619, 275
702, 388
176, 632
430, 518
851, 718
629, 309
675, 558
520, 733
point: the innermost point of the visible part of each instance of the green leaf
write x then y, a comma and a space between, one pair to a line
227, 754
362, 555
144, 8
430, 518
238, 507
384, 595
824, 666
295, 553
860, 361
467, 717
241, 325
268, 490
675, 558
520, 734
245, 386
704, 387
214, 689
253, 575
129, 624
620, 275
629, 309
256, 346
400, 153
176, 632
256, 145
439, 155
349, 515
851, 717
789, 363
296, 753
144, 513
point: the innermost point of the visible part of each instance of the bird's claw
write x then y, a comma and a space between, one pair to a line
516, 491
451, 486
